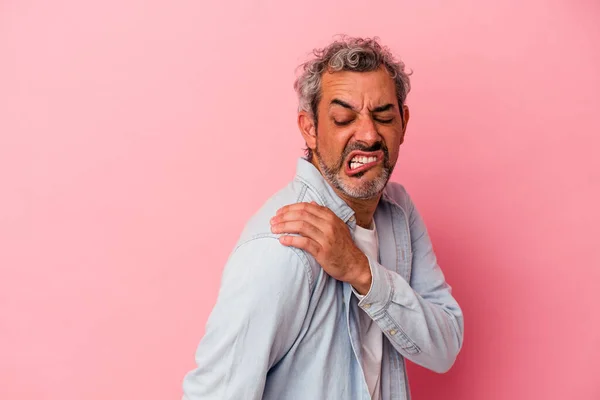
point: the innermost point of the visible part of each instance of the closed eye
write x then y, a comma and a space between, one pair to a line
343, 123
384, 121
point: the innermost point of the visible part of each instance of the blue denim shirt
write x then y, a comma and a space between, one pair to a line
284, 329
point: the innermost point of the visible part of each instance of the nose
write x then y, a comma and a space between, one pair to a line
366, 132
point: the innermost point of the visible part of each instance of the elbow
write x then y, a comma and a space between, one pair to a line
439, 361
447, 357
444, 365
452, 348
450, 358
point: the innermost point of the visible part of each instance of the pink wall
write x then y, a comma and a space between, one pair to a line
137, 137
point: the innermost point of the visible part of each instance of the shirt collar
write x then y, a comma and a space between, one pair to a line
311, 176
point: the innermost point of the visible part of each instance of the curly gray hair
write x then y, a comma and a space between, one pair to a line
347, 54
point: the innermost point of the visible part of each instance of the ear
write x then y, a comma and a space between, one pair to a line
405, 118
308, 129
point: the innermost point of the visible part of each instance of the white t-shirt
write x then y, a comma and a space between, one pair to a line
370, 333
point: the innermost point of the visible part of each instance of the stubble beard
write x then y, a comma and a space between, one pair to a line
358, 189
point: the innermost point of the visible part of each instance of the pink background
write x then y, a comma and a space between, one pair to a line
137, 137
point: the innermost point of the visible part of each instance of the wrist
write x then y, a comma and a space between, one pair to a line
363, 278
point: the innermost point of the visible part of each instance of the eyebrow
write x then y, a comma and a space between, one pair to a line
342, 103
382, 108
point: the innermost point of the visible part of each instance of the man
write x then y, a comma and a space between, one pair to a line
334, 282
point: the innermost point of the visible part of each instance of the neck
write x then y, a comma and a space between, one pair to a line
364, 209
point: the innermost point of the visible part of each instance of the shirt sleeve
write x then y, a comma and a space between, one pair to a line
422, 320
258, 315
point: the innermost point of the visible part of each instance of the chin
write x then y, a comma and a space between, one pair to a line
364, 190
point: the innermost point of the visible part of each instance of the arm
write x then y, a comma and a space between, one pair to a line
259, 312
422, 320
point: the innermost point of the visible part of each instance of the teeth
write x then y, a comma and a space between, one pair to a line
363, 160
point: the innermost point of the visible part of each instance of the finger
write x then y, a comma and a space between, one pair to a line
322, 211
302, 243
297, 207
312, 207
297, 215
303, 228
325, 212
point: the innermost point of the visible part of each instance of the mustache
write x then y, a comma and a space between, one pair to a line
361, 147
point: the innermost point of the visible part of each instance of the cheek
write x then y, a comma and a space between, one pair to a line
393, 143
394, 157
332, 143
392, 137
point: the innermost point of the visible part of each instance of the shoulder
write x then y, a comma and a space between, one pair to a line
262, 261
259, 247
397, 194
258, 224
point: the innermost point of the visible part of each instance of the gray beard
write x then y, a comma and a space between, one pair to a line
361, 190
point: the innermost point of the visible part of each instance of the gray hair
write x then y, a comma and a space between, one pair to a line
346, 54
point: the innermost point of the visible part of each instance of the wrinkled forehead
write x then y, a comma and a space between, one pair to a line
360, 89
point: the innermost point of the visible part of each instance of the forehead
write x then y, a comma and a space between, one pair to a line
361, 88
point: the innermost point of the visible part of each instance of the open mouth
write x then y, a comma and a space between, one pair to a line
360, 161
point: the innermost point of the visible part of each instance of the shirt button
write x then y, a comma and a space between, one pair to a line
353, 218
367, 306
393, 332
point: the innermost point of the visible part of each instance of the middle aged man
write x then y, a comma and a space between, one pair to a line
333, 282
